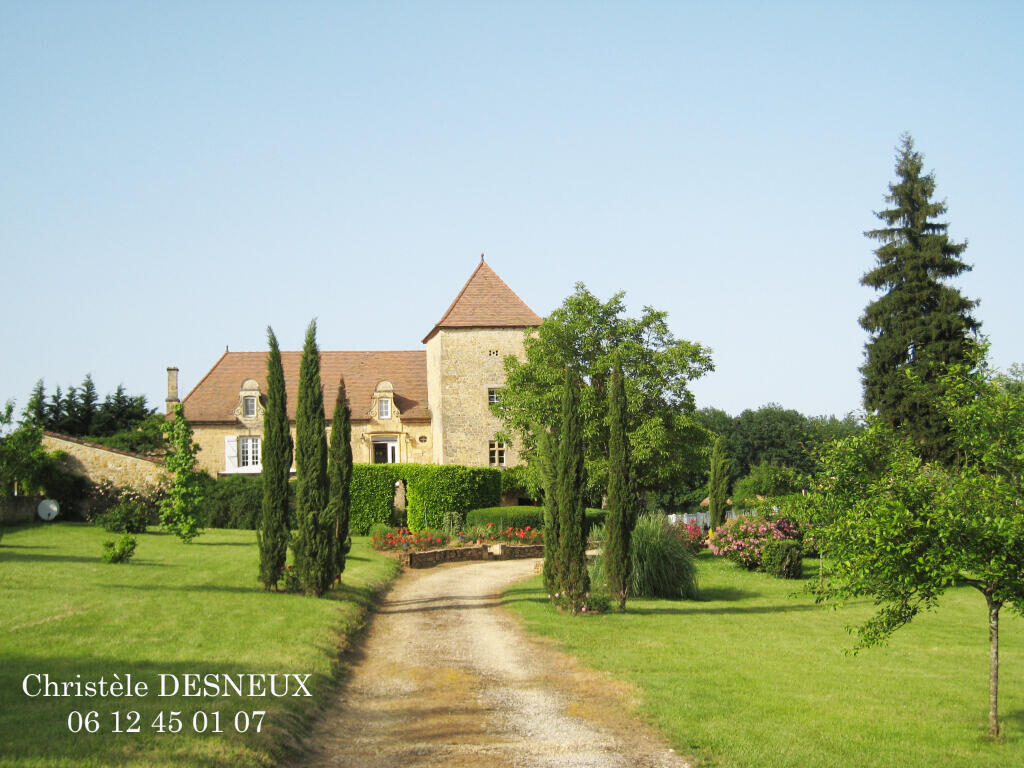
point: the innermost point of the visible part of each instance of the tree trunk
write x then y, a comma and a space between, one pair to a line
993, 665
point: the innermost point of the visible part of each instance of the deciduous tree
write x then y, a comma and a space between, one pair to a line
179, 511
901, 530
584, 335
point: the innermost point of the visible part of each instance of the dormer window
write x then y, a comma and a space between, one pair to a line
249, 410
384, 408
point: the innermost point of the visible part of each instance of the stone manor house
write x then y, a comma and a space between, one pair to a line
427, 406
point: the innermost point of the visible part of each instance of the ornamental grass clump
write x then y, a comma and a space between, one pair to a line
660, 564
742, 539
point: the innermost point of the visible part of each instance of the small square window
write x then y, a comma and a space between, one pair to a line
249, 407
493, 396
384, 408
496, 454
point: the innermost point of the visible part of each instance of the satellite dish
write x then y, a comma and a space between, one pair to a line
48, 509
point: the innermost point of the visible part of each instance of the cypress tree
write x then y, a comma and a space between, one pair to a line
314, 544
718, 486
272, 535
339, 470
621, 507
920, 323
548, 468
570, 480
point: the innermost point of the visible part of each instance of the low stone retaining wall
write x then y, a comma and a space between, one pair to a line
433, 557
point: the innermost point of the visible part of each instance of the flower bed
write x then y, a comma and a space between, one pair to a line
405, 540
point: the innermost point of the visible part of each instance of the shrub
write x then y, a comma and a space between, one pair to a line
125, 510
661, 565
742, 539
691, 534
503, 517
781, 559
235, 501
119, 551
127, 516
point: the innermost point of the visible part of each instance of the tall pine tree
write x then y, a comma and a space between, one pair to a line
920, 323
570, 483
621, 507
314, 543
273, 534
718, 485
339, 471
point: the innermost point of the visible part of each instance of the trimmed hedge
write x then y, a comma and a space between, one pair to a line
436, 496
505, 517
372, 496
520, 517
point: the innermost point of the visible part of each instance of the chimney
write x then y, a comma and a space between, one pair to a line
172, 389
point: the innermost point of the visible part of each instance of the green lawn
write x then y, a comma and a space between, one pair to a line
175, 609
751, 676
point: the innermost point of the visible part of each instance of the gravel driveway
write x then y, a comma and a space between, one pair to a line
446, 677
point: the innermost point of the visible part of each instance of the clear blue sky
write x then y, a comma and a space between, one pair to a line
176, 176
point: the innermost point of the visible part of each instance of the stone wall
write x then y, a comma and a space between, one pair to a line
99, 463
463, 554
469, 361
18, 509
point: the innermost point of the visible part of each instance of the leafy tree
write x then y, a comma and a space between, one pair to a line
315, 560
569, 484
621, 498
902, 530
718, 485
179, 511
339, 470
584, 335
920, 323
768, 481
24, 463
273, 534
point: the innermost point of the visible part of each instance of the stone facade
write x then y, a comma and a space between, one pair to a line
464, 366
422, 407
99, 463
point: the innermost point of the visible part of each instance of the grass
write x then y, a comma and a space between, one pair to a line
752, 676
174, 609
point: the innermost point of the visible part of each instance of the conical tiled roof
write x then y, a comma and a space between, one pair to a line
486, 302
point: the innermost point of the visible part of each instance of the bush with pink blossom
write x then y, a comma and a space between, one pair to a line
742, 538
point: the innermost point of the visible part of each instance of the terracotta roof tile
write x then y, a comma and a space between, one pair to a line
215, 397
485, 301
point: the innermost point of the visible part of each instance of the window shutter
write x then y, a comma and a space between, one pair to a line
231, 454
